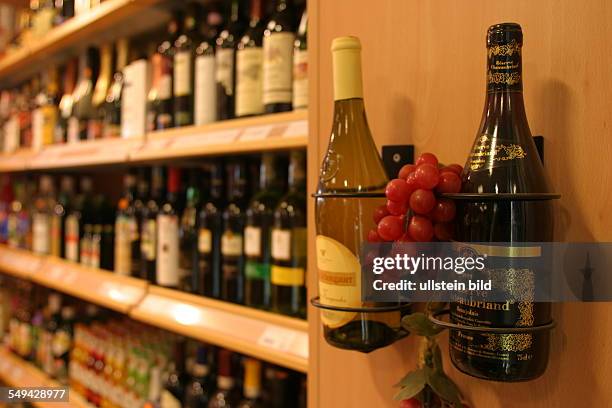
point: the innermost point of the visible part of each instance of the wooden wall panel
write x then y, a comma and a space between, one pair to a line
424, 79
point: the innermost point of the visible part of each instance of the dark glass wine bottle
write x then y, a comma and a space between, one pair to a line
66, 103
184, 53
288, 244
232, 255
351, 165
83, 94
259, 220
168, 233
279, 37
188, 235
210, 229
503, 161
173, 393
249, 62
200, 387
73, 225
226, 394
226, 58
95, 124
126, 229
58, 217
112, 104
148, 228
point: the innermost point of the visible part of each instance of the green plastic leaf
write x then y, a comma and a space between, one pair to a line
419, 324
412, 384
446, 389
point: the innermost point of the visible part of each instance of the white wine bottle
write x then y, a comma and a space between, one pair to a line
351, 170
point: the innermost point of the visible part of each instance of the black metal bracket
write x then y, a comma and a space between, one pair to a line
484, 329
316, 302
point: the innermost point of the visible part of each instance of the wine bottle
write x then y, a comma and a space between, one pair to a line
45, 117
503, 160
73, 226
210, 229
41, 216
300, 64
188, 236
226, 394
232, 255
282, 387
66, 103
199, 388
279, 37
62, 343
58, 216
65, 10
51, 326
259, 219
251, 384
184, 53
112, 103
249, 62
83, 93
225, 58
288, 243
173, 393
126, 229
168, 233
205, 98
159, 98
148, 229
95, 125
350, 166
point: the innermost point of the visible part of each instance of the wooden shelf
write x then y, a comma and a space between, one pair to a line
274, 338
17, 161
276, 131
125, 17
120, 293
16, 372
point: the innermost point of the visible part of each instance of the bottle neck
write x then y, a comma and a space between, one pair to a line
347, 74
504, 68
297, 174
267, 172
255, 11
122, 54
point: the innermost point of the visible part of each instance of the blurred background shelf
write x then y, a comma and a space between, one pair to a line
16, 372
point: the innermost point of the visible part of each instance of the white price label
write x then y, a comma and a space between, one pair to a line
277, 338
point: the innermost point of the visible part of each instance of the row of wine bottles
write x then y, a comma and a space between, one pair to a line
234, 236
205, 68
116, 362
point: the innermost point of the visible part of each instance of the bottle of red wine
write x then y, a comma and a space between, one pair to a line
235, 24
503, 164
188, 235
148, 228
168, 233
200, 388
173, 394
226, 394
232, 255
210, 229
279, 37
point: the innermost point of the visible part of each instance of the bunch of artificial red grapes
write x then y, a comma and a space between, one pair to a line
415, 212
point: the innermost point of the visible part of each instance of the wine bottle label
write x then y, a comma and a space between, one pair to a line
182, 73
256, 270
85, 247
165, 85
167, 250
225, 69
284, 276
123, 245
486, 155
231, 244
205, 90
94, 252
339, 280
281, 244
278, 67
73, 130
148, 244
204, 241
252, 241
300, 79
504, 67
41, 233
249, 63
169, 401
72, 238
55, 246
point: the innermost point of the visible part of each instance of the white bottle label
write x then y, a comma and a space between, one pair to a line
123, 246
205, 90
41, 233
252, 241
72, 238
134, 99
182, 73
148, 242
167, 250
278, 67
231, 244
165, 87
249, 63
300, 79
225, 69
204, 241
281, 244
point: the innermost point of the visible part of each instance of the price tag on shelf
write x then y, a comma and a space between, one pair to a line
296, 129
256, 133
276, 338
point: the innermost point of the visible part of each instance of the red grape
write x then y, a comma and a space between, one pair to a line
427, 158
411, 181
373, 236
443, 231
443, 211
397, 207
391, 227
455, 168
427, 176
449, 182
397, 190
422, 201
420, 229
379, 213
406, 170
